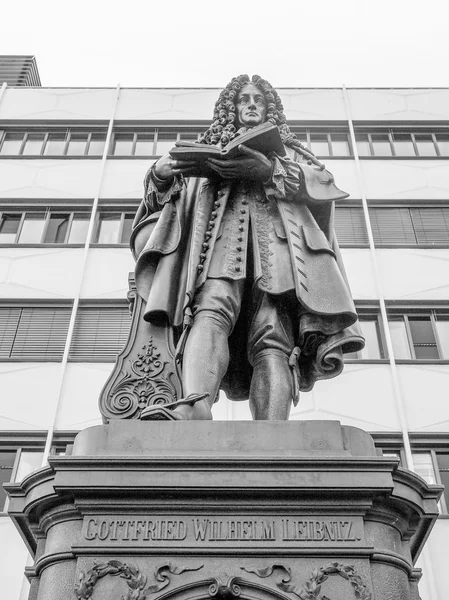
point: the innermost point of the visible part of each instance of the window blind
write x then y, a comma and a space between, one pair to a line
100, 333
35, 333
350, 226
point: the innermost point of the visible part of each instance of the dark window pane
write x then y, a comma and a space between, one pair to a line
381, 144
57, 229
78, 230
363, 147
423, 338
32, 229
443, 143
188, 136
109, 229
319, 143
8, 228
55, 144
12, 143
77, 144
443, 460
165, 142
340, 144
122, 144
96, 145
6, 466
144, 144
425, 144
403, 144
33, 144
127, 227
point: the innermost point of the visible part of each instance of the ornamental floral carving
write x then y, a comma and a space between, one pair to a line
135, 580
312, 588
148, 383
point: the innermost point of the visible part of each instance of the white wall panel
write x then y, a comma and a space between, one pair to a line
408, 274
407, 180
39, 272
28, 395
12, 564
419, 104
438, 559
40, 178
358, 266
345, 175
57, 103
313, 104
124, 178
106, 273
361, 396
425, 390
167, 104
78, 407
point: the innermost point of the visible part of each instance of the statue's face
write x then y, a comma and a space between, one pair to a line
251, 106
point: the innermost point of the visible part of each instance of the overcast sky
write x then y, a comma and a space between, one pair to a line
324, 43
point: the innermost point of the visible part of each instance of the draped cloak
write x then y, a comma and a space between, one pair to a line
294, 248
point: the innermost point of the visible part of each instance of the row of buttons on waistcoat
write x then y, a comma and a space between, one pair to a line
208, 233
240, 237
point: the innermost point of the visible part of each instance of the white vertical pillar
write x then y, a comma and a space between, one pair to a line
378, 284
76, 299
386, 330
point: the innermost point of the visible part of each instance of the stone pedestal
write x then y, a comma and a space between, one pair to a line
194, 510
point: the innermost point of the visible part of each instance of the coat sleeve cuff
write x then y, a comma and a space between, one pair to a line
159, 191
285, 180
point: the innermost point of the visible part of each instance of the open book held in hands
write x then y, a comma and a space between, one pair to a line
265, 138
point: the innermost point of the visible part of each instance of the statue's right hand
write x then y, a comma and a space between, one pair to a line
167, 167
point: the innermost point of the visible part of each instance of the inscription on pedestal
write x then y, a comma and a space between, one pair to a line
194, 531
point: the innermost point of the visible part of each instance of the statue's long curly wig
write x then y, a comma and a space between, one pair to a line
224, 126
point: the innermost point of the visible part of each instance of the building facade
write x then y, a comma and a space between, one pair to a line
72, 162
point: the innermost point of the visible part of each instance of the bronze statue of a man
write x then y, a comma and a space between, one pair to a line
244, 264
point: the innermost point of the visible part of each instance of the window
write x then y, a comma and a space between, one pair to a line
350, 226
325, 143
402, 143
420, 335
56, 142
33, 333
15, 465
114, 228
373, 349
12, 143
416, 334
43, 227
148, 143
433, 467
100, 333
414, 226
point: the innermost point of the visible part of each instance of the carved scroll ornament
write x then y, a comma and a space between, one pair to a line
312, 587
135, 580
149, 383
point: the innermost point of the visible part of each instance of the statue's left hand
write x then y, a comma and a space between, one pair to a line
249, 164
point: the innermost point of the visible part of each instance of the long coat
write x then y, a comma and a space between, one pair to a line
200, 228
